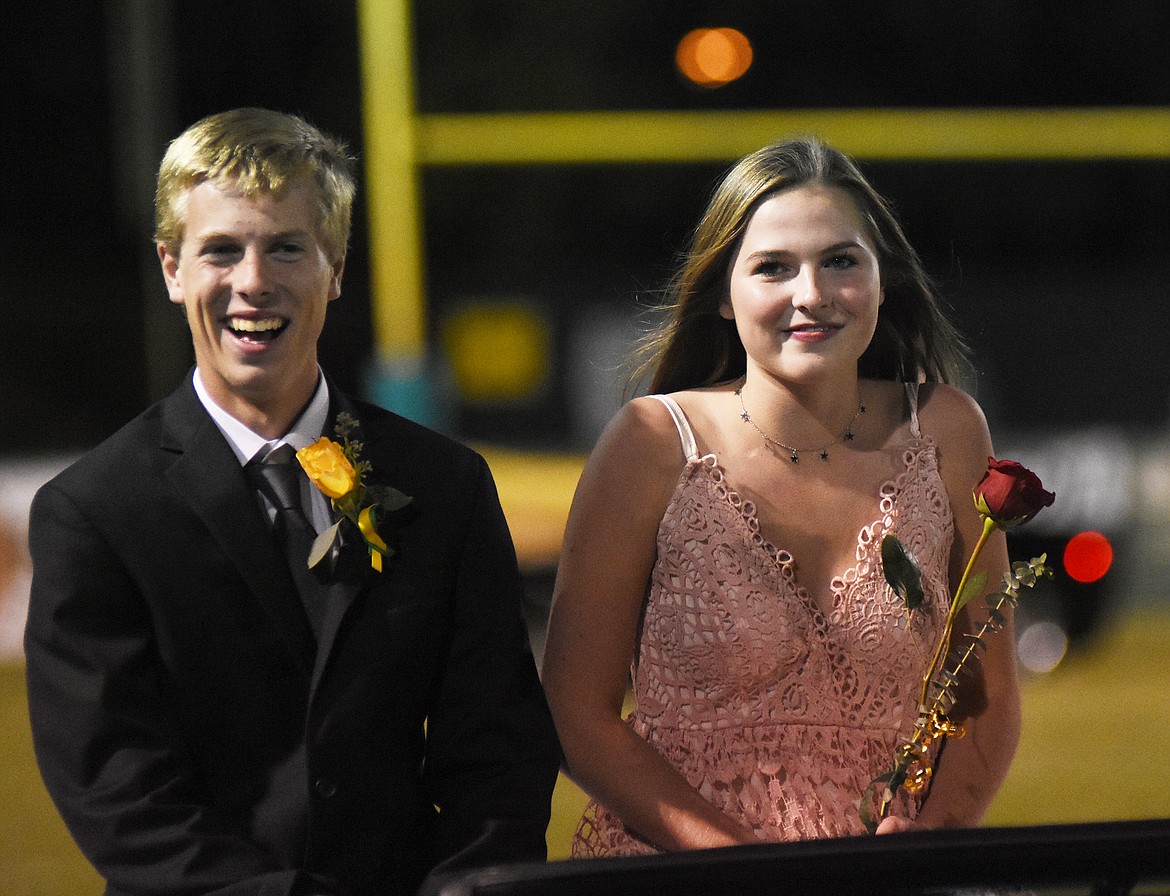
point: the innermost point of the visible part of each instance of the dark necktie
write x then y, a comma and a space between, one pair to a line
278, 477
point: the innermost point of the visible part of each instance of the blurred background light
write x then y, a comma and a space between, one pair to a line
498, 350
1041, 647
1088, 556
712, 57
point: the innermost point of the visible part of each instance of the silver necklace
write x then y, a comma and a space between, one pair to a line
794, 453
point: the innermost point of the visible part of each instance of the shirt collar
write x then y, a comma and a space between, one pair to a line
247, 444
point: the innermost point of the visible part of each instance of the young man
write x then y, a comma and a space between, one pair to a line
208, 717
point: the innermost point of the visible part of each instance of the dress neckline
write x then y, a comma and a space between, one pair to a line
745, 511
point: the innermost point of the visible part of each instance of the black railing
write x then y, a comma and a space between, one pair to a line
1106, 859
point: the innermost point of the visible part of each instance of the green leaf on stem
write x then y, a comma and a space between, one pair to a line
972, 588
902, 572
866, 809
322, 544
390, 499
996, 619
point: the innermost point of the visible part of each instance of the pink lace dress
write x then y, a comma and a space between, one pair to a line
779, 715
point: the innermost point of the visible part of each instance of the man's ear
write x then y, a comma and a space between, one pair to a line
170, 271
338, 268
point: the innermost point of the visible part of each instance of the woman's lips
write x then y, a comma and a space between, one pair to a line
813, 332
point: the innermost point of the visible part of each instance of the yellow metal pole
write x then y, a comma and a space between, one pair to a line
874, 134
398, 296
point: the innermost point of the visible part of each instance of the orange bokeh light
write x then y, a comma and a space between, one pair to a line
1088, 556
712, 57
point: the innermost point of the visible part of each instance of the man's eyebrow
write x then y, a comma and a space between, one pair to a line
294, 233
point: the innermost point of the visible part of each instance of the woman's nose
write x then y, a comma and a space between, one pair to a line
808, 291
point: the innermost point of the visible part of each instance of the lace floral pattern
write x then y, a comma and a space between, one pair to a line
777, 713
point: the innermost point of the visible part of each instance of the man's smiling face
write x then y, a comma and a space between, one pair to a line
255, 282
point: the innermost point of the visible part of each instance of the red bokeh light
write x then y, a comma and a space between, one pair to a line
1088, 556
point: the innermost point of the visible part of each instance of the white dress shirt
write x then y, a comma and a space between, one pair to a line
248, 445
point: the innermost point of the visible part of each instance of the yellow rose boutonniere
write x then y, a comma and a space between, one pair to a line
335, 467
328, 468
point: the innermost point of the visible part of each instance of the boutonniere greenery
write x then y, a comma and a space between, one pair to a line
1008, 494
335, 467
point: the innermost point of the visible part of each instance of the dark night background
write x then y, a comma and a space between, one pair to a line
1056, 271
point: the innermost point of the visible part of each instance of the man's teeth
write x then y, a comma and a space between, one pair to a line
241, 325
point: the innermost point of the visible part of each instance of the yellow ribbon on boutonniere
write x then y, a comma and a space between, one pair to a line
369, 531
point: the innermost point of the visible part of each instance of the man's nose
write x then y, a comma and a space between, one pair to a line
251, 276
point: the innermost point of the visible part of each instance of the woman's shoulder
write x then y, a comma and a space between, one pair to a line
646, 417
934, 400
634, 467
643, 431
947, 412
664, 429
947, 416
705, 408
703, 396
957, 426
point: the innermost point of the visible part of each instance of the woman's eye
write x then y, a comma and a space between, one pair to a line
841, 261
769, 268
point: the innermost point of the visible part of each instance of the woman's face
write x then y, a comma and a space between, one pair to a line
804, 287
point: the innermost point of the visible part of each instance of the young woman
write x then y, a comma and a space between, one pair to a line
724, 541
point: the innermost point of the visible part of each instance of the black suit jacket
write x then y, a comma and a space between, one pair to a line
194, 738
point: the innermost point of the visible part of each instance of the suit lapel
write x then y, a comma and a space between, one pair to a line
339, 597
351, 576
206, 472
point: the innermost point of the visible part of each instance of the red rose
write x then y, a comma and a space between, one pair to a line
1009, 493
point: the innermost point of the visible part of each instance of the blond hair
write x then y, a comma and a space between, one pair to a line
257, 151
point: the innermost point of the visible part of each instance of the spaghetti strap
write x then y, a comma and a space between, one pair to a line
912, 399
690, 449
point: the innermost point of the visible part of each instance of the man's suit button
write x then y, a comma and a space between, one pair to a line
324, 788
